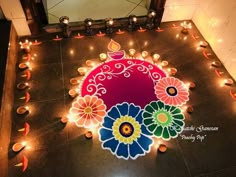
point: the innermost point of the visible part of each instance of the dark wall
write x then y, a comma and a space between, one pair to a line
35, 14
5, 28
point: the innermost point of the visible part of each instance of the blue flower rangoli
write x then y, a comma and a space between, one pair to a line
124, 133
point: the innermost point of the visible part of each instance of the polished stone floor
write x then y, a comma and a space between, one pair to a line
58, 150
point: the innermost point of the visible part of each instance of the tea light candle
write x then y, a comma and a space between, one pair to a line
74, 81
191, 85
155, 57
172, 71
228, 81
73, 93
22, 85
189, 109
88, 135
216, 64
23, 66
203, 44
103, 57
164, 63
89, 63
22, 110
64, 120
18, 146
81, 71
120, 31
162, 148
144, 54
132, 52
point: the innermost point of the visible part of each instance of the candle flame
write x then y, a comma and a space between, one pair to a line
113, 46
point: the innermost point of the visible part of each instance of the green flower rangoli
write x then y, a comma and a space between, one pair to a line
164, 121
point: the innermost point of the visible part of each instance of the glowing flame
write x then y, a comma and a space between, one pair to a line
113, 46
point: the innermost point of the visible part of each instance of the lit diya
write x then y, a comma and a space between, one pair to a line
190, 109
141, 30
100, 34
232, 94
27, 57
172, 71
115, 53
74, 81
159, 29
26, 129
120, 32
103, 57
132, 52
228, 81
203, 44
18, 146
26, 97
191, 85
22, 110
64, 120
23, 66
23, 164
88, 135
82, 71
57, 38
27, 75
78, 36
90, 63
162, 148
36, 42
73, 93
155, 57
164, 63
206, 54
216, 64
144, 54
22, 85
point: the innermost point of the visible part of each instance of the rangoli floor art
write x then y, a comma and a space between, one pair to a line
132, 100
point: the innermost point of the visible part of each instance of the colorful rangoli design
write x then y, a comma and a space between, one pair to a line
133, 101
124, 133
88, 111
163, 121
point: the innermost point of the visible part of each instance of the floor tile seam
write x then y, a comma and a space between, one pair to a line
216, 171
45, 64
185, 160
46, 100
63, 77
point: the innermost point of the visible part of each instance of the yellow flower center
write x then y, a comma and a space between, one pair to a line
171, 90
162, 118
88, 110
126, 129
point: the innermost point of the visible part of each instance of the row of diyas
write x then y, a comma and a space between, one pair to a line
202, 44
24, 109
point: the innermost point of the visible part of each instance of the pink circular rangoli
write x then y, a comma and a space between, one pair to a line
125, 80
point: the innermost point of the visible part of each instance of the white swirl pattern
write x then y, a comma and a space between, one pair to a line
96, 88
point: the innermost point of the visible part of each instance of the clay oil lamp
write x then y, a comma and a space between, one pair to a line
88, 135
22, 85
22, 110
73, 93
103, 57
162, 148
23, 164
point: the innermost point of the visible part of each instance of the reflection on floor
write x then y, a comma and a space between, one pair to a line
95, 9
56, 149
